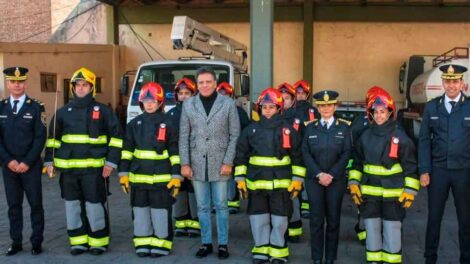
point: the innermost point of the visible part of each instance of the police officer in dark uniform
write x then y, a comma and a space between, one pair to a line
326, 149
22, 138
444, 155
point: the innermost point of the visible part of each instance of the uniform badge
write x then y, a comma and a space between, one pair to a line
44, 118
254, 130
17, 72
326, 97
286, 138
396, 140
70, 109
96, 113
161, 136
139, 122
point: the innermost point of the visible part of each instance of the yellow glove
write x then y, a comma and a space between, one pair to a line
124, 181
356, 193
406, 199
174, 186
241, 186
294, 188
49, 170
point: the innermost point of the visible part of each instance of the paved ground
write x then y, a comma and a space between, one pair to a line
121, 250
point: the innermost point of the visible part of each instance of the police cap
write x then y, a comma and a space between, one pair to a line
325, 97
15, 73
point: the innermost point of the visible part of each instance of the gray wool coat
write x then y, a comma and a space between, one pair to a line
208, 140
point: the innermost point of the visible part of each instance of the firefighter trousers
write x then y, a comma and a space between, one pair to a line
185, 211
269, 213
151, 212
87, 219
383, 224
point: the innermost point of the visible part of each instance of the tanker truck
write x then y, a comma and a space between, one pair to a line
420, 81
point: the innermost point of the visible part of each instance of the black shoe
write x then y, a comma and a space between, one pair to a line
13, 249
277, 261
294, 239
305, 215
143, 254
204, 250
77, 251
36, 250
223, 252
156, 255
96, 251
317, 262
329, 261
260, 261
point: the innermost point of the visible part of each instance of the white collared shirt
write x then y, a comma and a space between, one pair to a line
328, 122
20, 103
447, 100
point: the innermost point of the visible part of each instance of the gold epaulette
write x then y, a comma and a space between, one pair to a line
306, 123
37, 101
345, 121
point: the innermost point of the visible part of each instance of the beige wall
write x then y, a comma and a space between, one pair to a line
348, 57
63, 60
351, 57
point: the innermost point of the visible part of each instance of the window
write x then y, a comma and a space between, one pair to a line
48, 82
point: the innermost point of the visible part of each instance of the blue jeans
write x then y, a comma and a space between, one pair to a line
215, 192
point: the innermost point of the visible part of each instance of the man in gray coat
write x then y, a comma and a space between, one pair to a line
209, 129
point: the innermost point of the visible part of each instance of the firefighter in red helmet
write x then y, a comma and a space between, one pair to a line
226, 89
269, 171
150, 168
185, 207
383, 179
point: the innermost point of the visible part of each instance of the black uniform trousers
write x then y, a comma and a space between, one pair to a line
325, 202
442, 180
16, 185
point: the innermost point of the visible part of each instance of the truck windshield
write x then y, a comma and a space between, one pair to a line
167, 75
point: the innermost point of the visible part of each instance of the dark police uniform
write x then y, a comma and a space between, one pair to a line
22, 138
444, 153
185, 207
150, 159
325, 149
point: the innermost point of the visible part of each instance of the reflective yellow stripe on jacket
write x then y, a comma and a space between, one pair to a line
78, 163
150, 154
83, 139
381, 192
149, 179
381, 170
115, 142
269, 161
53, 143
267, 185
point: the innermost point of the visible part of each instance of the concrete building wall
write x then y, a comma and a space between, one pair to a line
63, 60
25, 20
349, 57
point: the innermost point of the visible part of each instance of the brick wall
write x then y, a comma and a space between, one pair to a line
25, 20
